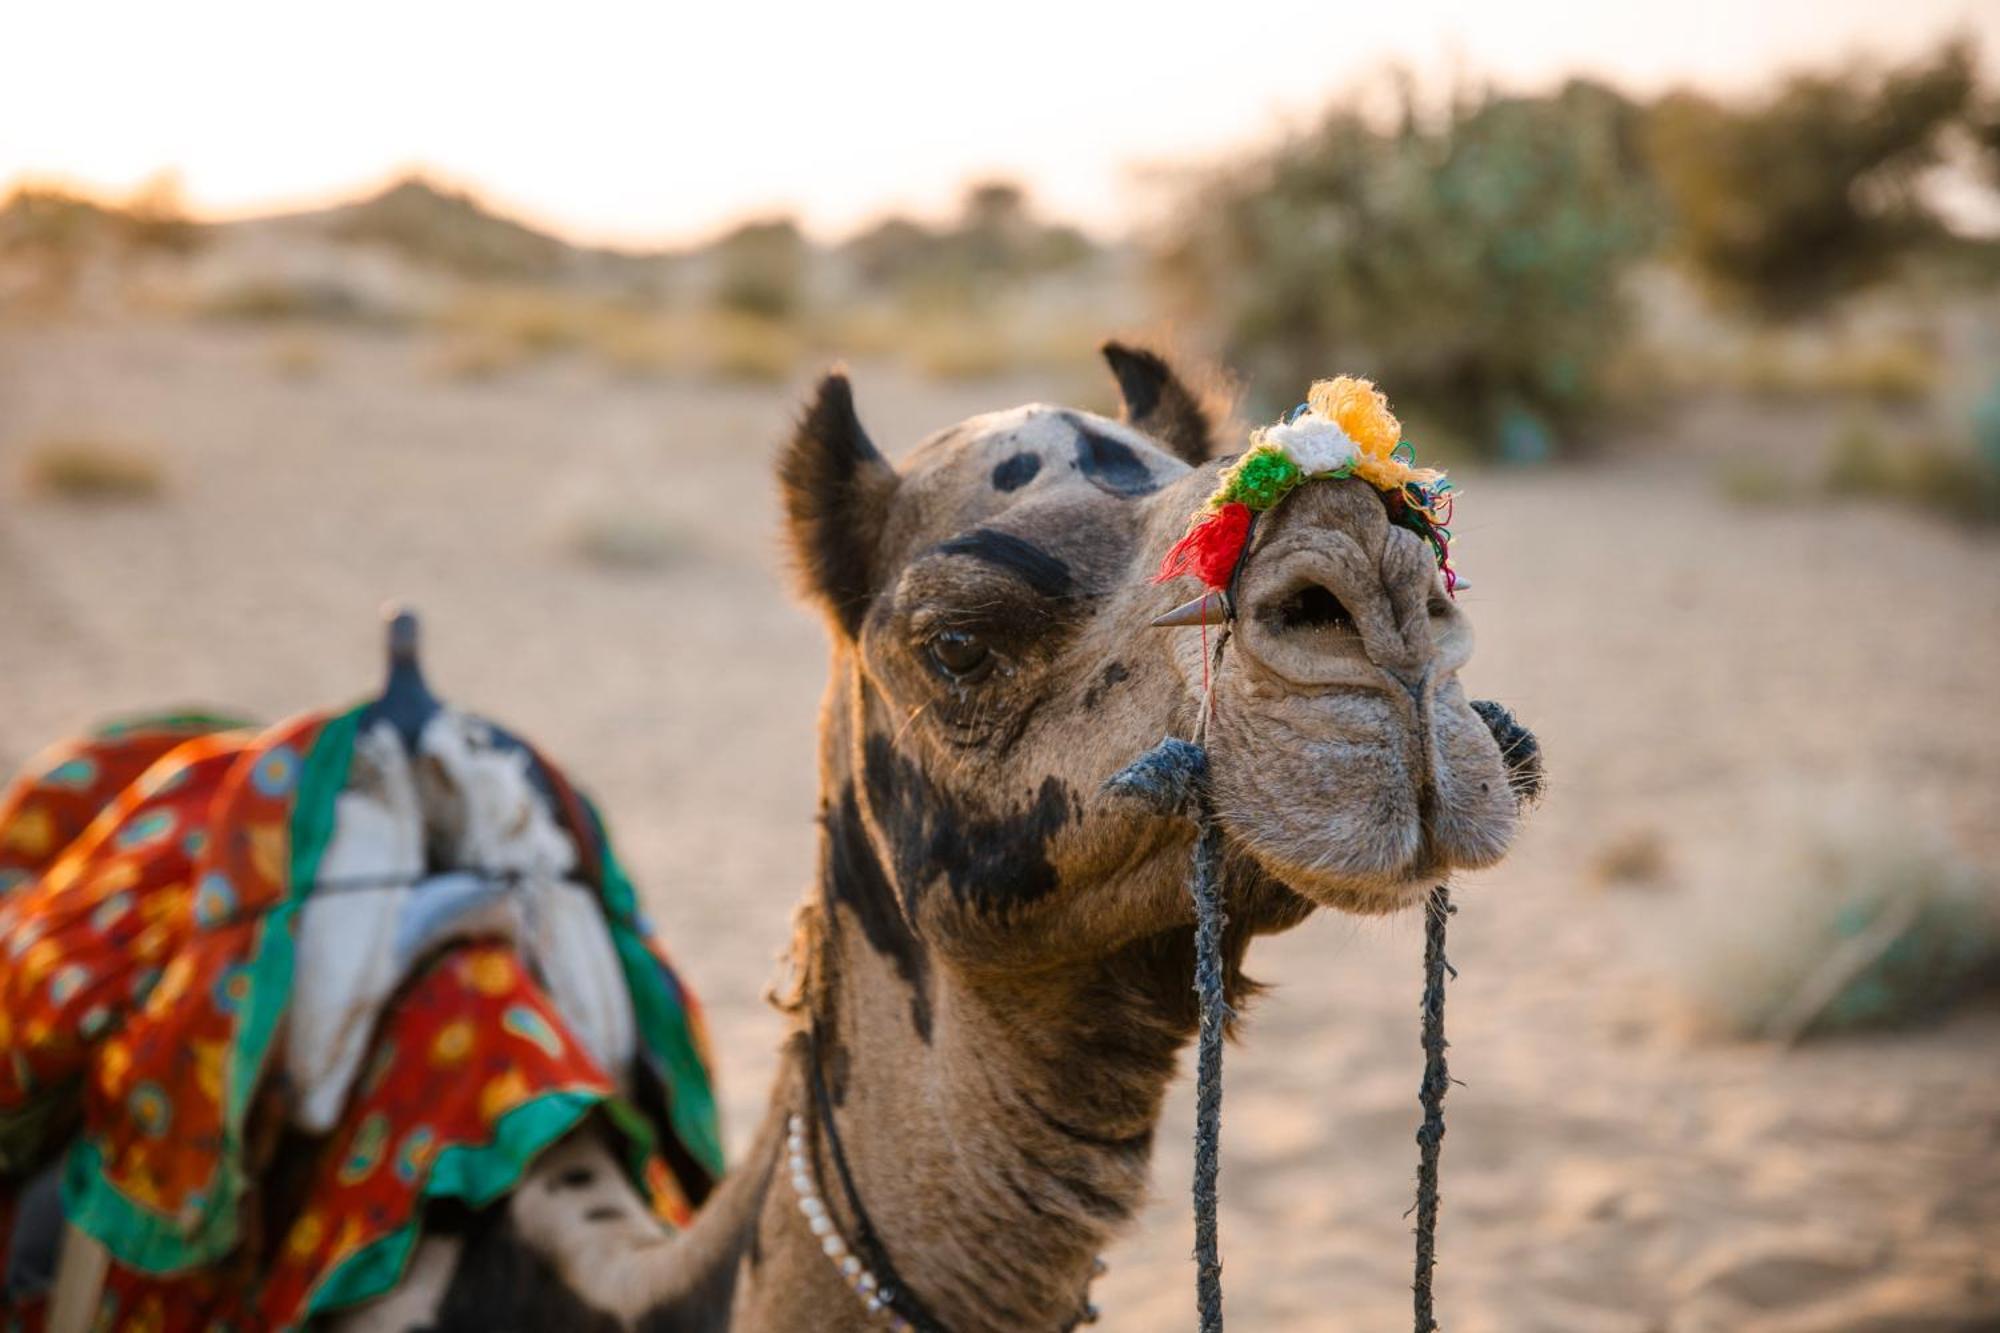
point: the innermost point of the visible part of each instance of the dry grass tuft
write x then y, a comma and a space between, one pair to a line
1871, 922
499, 330
1915, 469
736, 346
1893, 371
1753, 482
1633, 858
84, 470
625, 536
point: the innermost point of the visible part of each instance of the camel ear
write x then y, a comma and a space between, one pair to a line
1159, 403
836, 489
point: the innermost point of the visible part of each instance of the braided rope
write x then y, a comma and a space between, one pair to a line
1172, 778
1204, 886
1430, 1135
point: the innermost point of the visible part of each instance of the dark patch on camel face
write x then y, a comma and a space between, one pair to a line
1016, 471
1110, 464
1114, 674
990, 862
1035, 567
855, 879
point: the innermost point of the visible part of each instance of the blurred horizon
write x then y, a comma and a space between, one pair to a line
910, 107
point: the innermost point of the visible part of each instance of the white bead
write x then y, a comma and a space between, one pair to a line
834, 1247
867, 1282
874, 1304
801, 1184
812, 1207
850, 1268
821, 1224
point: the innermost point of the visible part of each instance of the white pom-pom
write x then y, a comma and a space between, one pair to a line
1315, 444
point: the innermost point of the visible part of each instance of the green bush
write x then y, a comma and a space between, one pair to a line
1471, 263
1783, 204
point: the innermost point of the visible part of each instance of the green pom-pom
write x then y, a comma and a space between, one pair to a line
1262, 478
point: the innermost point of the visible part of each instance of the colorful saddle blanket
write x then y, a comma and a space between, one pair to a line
152, 883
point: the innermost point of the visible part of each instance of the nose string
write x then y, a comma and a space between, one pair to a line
1173, 778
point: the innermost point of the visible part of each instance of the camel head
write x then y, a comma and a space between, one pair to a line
990, 602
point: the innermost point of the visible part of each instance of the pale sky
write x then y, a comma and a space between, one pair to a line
658, 122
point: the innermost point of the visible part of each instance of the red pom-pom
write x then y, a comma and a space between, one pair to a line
1211, 548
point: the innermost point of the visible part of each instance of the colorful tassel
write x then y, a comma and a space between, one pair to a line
1344, 428
1211, 548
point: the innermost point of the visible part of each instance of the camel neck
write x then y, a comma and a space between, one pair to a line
998, 1134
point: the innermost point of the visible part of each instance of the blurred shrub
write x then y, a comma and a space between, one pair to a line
155, 217
275, 300
1871, 924
1915, 469
48, 221
1890, 371
995, 243
432, 225
1782, 204
761, 269
495, 331
56, 234
1471, 263
82, 469
536, 321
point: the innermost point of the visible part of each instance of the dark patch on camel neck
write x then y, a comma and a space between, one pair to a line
1035, 567
854, 878
1016, 471
1113, 674
990, 862
1110, 464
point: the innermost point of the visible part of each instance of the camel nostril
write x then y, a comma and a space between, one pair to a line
1312, 607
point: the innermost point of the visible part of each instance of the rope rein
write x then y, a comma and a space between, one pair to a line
1205, 887
1430, 1135
1173, 778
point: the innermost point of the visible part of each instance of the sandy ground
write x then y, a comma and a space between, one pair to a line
1693, 669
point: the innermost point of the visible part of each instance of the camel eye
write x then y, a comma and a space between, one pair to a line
959, 656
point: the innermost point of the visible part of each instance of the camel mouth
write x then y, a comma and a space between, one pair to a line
1355, 802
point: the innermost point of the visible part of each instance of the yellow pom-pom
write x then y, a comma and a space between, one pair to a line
1360, 409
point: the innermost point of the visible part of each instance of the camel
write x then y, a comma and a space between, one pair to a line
989, 982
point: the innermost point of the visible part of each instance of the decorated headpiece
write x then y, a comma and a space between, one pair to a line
1343, 429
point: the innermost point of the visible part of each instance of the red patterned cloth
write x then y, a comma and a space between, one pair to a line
144, 970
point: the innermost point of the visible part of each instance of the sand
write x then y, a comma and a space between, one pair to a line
1694, 671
